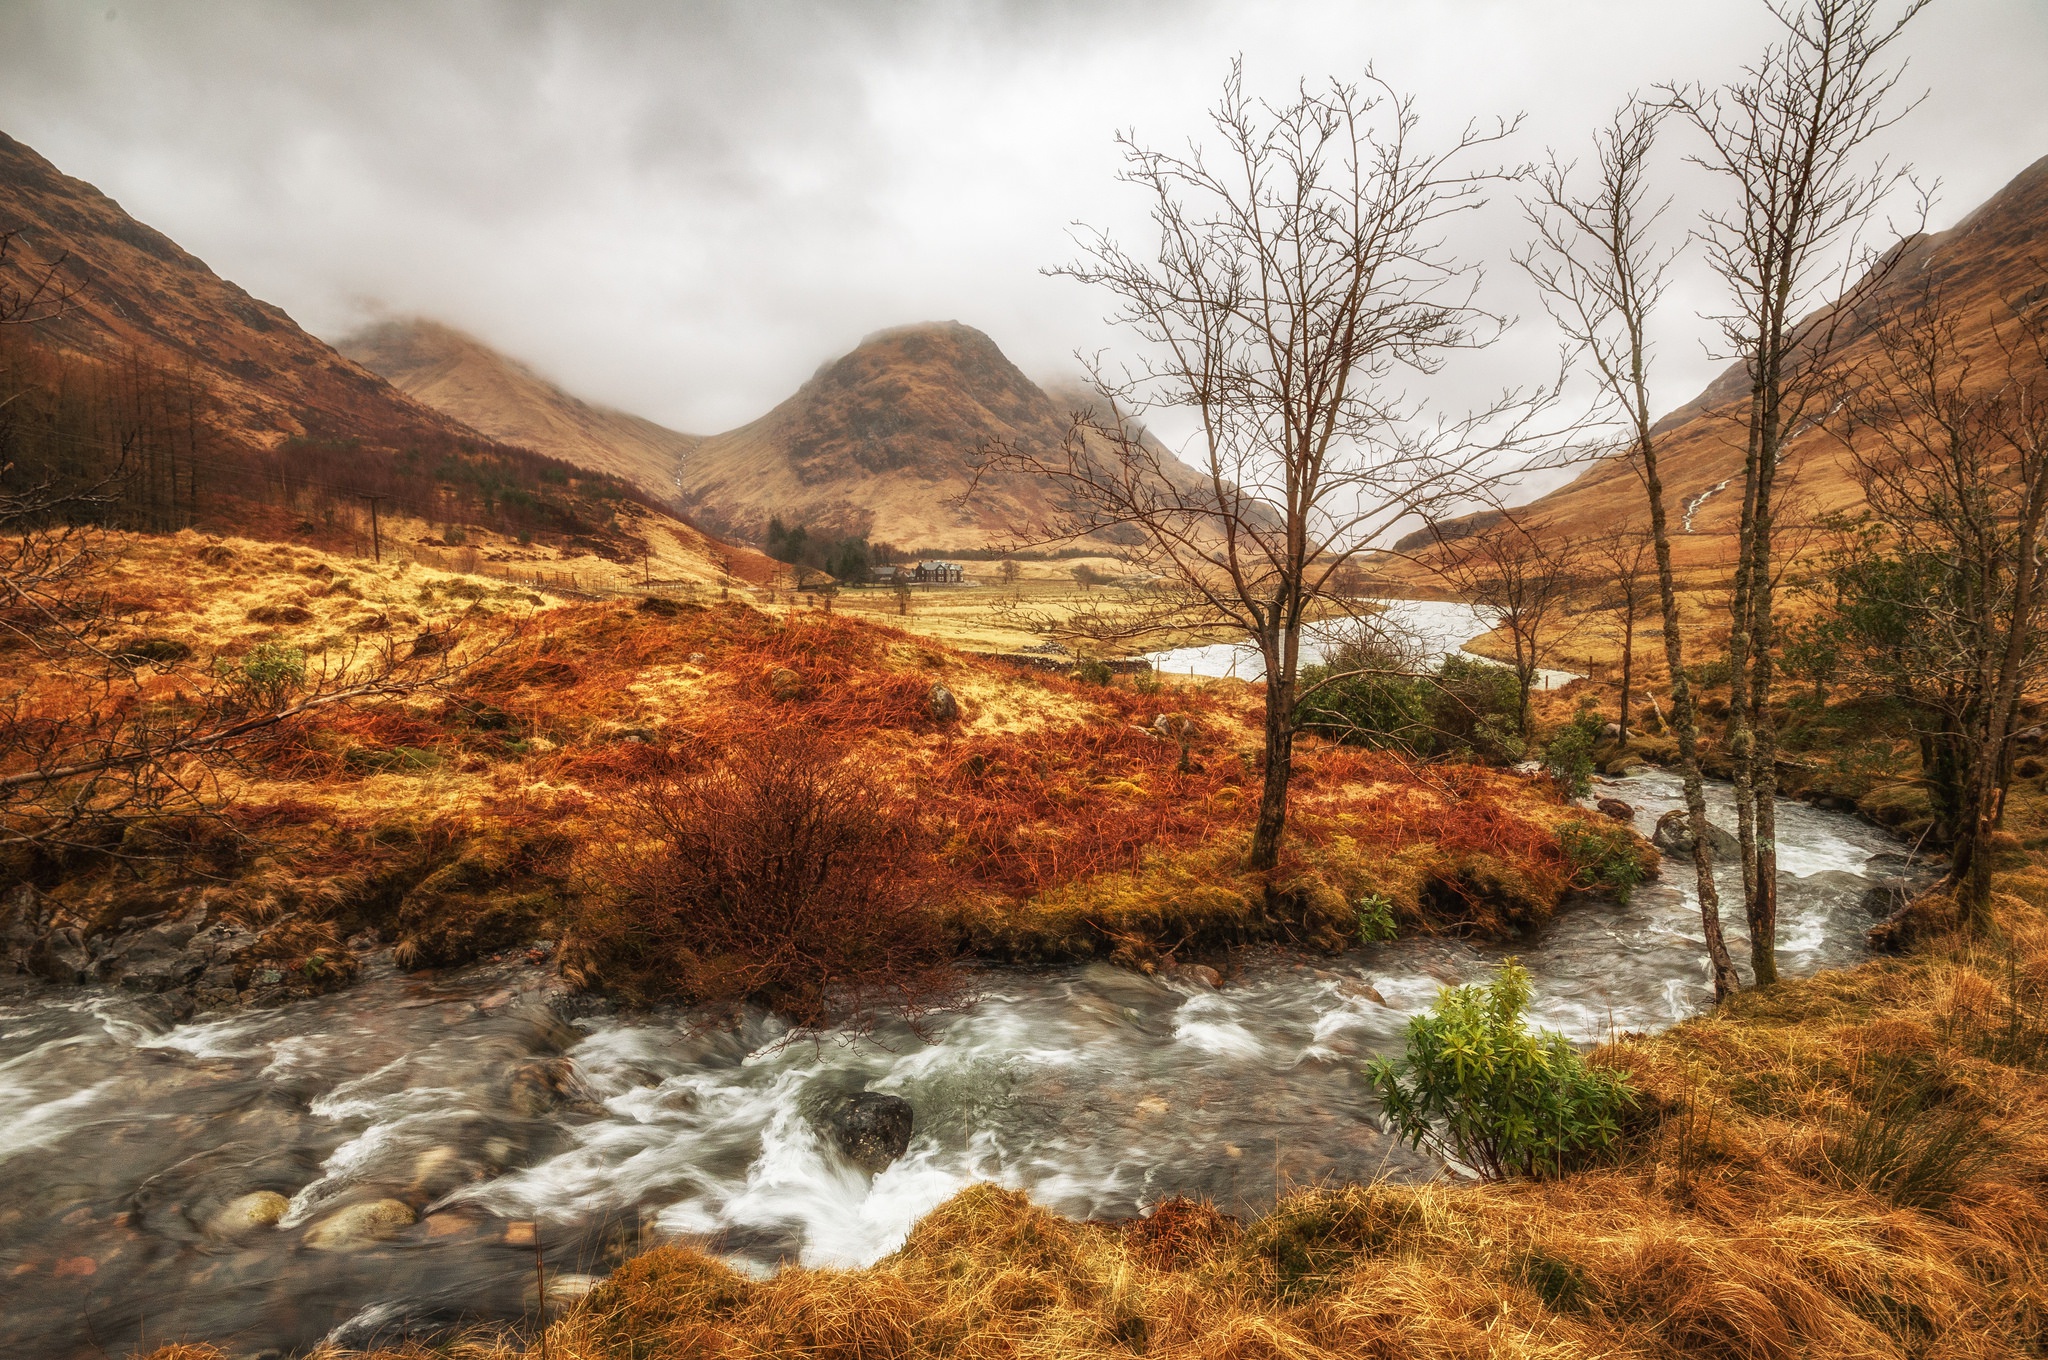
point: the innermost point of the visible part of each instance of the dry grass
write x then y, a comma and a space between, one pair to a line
452, 822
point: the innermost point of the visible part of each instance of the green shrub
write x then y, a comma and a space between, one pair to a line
1568, 755
1089, 671
270, 675
1478, 1087
1475, 706
1603, 858
1375, 918
1389, 711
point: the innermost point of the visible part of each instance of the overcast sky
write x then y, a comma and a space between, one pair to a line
682, 209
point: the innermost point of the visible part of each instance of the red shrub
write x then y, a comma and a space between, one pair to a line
784, 876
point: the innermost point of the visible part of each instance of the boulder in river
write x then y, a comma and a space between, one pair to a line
545, 1084
245, 1213
1674, 833
872, 1129
360, 1225
1615, 808
1887, 898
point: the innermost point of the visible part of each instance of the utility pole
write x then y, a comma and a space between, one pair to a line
376, 539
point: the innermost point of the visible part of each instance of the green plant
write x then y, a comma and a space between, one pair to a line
1388, 711
1568, 755
1376, 918
270, 674
1475, 705
1090, 671
1477, 1086
1603, 858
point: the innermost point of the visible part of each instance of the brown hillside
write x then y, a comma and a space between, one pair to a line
209, 408
1995, 258
137, 293
460, 376
881, 442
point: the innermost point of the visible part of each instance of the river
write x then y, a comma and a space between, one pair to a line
1099, 1091
1436, 628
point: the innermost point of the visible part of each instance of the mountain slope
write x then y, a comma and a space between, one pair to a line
135, 292
462, 377
1994, 258
159, 388
881, 442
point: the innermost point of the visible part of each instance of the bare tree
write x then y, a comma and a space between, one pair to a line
1522, 576
1789, 137
1620, 572
1602, 275
30, 293
1942, 600
1299, 279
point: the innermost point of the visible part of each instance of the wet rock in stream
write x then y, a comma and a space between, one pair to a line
872, 1129
1674, 834
360, 1225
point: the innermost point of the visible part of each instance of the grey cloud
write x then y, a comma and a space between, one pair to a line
683, 208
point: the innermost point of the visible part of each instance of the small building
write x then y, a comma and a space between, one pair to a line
939, 573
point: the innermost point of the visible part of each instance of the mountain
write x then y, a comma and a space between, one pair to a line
135, 293
146, 381
1994, 259
464, 378
881, 442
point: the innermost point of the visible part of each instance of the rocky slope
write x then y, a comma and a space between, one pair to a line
462, 377
1994, 258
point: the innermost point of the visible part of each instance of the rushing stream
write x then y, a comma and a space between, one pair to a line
473, 1099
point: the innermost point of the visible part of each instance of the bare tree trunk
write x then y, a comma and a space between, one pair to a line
1685, 727
1762, 903
1628, 658
1271, 827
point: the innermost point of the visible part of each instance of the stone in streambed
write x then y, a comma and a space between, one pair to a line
360, 1225
872, 1129
1674, 833
246, 1213
1615, 808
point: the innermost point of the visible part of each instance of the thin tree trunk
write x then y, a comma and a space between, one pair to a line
1271, 826
1685, 727
1741, 734
1762, 903
1628, 657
